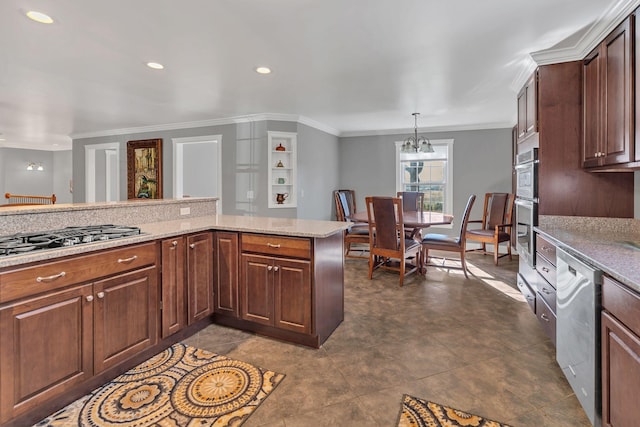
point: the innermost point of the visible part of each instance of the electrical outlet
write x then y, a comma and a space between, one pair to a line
185, 211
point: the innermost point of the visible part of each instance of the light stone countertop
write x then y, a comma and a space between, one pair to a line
160, 230
604, 248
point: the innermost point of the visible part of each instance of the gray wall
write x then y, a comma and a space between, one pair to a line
62, 174
18, 180
481, 163
244, 166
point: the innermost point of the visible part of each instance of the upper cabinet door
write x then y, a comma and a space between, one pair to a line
617, 95
608, 126
528, 108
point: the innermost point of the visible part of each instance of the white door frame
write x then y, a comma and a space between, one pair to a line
178, 160
111, 161
90, 169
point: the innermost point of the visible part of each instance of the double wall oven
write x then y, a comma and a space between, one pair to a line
526, 203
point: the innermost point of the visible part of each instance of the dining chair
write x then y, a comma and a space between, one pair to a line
358, 233
412, 201
496, 224
386, 236
442, 242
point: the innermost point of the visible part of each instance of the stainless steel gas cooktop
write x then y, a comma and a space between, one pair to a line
70, 236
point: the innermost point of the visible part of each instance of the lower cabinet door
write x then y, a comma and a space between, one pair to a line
174, 313
620, 374
125, 319
292, 299
46, 347
199, 276
257, 289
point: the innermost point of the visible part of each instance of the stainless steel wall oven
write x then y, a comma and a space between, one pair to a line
526, 204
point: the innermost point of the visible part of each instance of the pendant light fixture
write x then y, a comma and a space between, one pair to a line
414, 143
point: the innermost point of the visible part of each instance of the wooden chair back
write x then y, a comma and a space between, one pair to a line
412, 201
345, 204
386, 226
498, 209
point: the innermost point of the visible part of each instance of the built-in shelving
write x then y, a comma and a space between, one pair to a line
282, 178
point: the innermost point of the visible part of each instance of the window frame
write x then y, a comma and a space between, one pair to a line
448, 202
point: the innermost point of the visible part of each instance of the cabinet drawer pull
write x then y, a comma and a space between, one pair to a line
544, 317
50, 278
545, 269
276, 268
174, 243
546, 291
192, 246
270, 268
100, 295
89, 298
126, 260
273, 245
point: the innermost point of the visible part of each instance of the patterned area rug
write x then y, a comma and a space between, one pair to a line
422, 413
182, 386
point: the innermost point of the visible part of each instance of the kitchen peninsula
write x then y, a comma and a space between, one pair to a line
72, 318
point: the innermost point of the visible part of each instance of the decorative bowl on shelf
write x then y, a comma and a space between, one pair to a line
280, 147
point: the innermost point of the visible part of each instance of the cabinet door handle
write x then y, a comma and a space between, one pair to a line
546, 291
273, 245
174, 243
545, 269
126, 260
100, 295
276, 268
40, 279
544, 317
270, 268
89, 298
192, 246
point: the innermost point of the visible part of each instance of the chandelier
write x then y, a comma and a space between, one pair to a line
414, 143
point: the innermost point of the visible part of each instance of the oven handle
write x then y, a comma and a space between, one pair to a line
525, 203
523, 166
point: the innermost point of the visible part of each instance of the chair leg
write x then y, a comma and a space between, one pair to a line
464, 264
402, 266
509, 250
371, 263
495, 251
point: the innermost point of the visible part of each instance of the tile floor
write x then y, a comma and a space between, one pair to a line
471, 344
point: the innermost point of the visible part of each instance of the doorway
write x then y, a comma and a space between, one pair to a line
102, 172
197, 163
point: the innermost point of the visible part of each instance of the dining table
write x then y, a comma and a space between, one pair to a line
412, 219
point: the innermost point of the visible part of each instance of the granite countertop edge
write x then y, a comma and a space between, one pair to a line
166, 229
606, 251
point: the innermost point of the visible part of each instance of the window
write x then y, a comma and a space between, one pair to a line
429, 173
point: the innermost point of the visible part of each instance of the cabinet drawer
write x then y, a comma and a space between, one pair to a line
527, 292
58, 274
546, 249
546, 318
548, 293
276, 245
623, 303
546, 270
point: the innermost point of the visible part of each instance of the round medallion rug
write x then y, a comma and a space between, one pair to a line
181, 386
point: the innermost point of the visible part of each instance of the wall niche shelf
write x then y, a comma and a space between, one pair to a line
282, 178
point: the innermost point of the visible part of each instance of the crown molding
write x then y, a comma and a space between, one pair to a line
211, 122
610, 19
454, 128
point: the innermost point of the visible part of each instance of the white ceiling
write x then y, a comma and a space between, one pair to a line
352, 66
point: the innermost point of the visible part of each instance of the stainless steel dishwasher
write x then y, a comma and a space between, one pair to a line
578, 306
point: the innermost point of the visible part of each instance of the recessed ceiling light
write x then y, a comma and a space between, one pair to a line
155, 65
263, 70
39, 17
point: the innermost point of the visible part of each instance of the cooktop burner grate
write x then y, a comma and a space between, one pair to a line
70, 236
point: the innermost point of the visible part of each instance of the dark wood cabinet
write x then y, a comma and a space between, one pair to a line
546, 285
199, 276
226, 253
608, 102
564, 186
98, 311
39, 359
174, 313
276, 292
187, 281
527, 109
620, 355
125, 308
